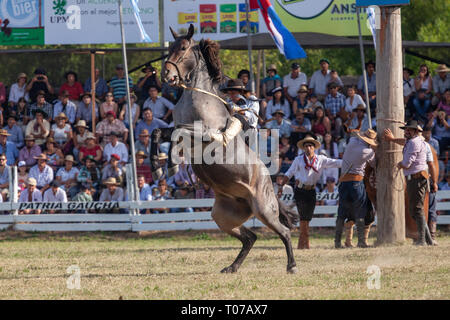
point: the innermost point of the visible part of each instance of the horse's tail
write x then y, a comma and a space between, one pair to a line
287, 216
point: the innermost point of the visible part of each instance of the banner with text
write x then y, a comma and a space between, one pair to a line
97, 21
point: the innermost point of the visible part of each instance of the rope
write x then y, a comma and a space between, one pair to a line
392, 120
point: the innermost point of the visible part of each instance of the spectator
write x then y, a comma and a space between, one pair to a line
19, 111
62, 133
18, 90
143, 169
272, 81
183, 192
106, 127
371, 84
358, 120
409, 89
107, 106
441, 130
204, 191
29, 153
41, 104
162, 159
150, 79
334, 106
112, 192
118, 85
278, 122
84, 195
101, 88
8, 148
424, 80
287, 153
421, 107
55, 157
185, 175
244, 75
22, 174
320, 79
330, 189
79, 139
313, 103
160, 106
116, 147
301, 100
30, 194
73, 89
353, 100
67, 176
162, 193
321, 123
112, 169
278, 102
4, 177
428, 138
145, 193
329, 149
2, 93
445, 103
90, 173
144, 145
135, 112
91, 148
66, 106
149, 123
84, 110
15, 132
55, 194
445, 185
292, 82
39, 83
441, 83
300, 123
284, 192
42, 173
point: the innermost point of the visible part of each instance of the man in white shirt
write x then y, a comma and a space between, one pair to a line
441, 82
307, 169
293, 81
55, 194
320, 79
115, 147
160, 106
30, 194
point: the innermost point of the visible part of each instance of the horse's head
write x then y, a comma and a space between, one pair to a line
181, 59
184, 56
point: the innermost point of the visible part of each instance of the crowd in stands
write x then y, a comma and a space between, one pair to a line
61, 155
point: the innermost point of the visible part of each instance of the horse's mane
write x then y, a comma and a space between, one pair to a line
210, 52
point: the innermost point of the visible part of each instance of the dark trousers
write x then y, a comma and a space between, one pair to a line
432, 214
416, 189
306, 203
353, 200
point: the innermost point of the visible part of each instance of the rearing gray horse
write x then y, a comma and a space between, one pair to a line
241, 190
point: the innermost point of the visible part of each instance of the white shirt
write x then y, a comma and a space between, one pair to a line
408, 87
319, 82
294, 84
158, 107
252, 116
36, 196
357, 100
309, 176
120, 149
271, 108
60, 195
15, 93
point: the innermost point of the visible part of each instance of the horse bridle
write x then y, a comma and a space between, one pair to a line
175, 64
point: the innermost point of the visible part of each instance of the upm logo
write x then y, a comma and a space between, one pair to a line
305, 9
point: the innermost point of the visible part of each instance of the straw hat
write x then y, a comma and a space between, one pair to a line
70, 158
51, 140
144, 133
162, 156
81, 123
21, 75
141, 153
90, 135
272, 67
303, 88
369, 136
442, 68
412, 124
31, 181
235, 84
278, 111
308, 139
4, 132
111, 180
29, 137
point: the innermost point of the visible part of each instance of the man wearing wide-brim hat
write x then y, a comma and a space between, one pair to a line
30, 194
354, 203
441, 81
358, 120
246, 109
272, 80
307, 169
415, 169
112, 192
42, 172
8, 148
278, 122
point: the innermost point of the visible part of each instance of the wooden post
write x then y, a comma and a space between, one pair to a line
258, 73
390, 188
93, 89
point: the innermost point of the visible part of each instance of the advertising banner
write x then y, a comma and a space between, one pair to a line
97, 21
21, 22
337, 17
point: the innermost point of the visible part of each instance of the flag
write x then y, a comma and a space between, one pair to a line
372, 24
283, 38
144, 35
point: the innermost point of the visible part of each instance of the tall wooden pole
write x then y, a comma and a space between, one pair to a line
390, 110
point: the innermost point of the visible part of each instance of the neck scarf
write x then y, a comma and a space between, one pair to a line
309, 166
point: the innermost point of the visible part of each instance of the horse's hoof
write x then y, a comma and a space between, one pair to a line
292, 270
228, 270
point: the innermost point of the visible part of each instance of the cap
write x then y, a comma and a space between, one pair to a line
111, 112
119, 66
21, 164
295, 65
115, 156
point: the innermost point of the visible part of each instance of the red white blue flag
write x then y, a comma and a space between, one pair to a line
283, 38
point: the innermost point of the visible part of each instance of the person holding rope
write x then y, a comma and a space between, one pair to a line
354, 205
307, 169
415, 166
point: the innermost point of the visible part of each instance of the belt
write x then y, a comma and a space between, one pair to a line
418, 175
351, 177
306, 186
